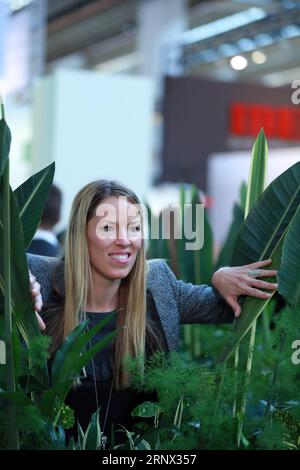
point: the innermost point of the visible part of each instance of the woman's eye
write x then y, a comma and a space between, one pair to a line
135, 228
107, 228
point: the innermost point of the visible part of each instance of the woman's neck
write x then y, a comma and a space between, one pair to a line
104, 295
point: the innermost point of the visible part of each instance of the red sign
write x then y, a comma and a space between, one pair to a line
278, 122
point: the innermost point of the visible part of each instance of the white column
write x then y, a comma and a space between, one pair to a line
160, 24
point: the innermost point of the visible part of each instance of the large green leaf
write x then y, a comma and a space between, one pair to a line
22, 305
31, 197
289, 272
252, 308
269, 218
5, 139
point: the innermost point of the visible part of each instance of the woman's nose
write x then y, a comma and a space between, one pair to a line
122, 237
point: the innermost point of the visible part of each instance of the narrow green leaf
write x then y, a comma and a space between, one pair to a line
72, 347
257, 177
31, 197
92, 436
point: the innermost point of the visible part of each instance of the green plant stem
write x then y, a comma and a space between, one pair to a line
246, 382
275, 376
13, 441
236, 371
266, 328
218, 401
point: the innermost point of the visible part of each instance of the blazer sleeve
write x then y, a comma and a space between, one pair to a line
199, 303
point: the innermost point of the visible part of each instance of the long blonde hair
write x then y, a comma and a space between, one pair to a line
77, 271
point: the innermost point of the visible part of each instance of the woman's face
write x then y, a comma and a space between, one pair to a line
114, 236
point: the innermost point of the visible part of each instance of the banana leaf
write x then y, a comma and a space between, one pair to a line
31, 197
289, 272
269, 218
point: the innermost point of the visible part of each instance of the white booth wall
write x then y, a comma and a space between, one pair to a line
227, 171
93, 126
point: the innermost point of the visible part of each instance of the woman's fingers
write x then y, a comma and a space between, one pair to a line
41, 324
232, 301
267, 273
35, 289
257, 293
263, 284
259, 264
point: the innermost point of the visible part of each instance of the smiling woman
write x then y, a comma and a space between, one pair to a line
104, 272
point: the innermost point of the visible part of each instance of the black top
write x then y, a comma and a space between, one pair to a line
101, 363
117, 409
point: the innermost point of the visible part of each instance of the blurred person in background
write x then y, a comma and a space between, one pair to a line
45, 242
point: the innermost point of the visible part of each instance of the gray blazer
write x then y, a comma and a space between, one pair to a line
176, 301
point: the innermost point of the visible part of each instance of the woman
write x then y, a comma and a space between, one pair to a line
105, 273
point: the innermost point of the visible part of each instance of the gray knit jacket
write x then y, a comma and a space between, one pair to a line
176, 301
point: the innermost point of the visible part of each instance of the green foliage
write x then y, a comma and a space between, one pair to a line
183, 416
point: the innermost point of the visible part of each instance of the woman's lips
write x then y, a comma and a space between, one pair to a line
119, 258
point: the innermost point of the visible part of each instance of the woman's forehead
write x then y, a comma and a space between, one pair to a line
116, 206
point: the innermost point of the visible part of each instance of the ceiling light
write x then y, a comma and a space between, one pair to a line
246, 44
263, 39
258, 57
238, 62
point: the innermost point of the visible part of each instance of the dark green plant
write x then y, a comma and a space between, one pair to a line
24, 380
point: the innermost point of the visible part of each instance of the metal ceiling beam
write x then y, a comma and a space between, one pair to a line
88, 26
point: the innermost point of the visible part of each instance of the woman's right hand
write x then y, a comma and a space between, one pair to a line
35, 290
